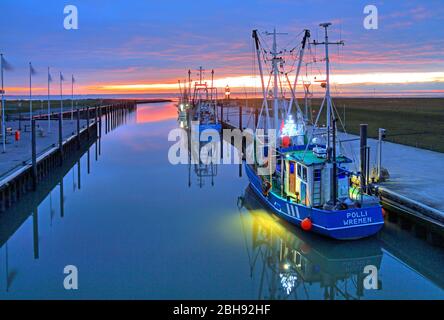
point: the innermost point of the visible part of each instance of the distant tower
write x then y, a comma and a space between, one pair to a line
227, 92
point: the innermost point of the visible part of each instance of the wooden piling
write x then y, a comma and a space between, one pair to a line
240, 117
87, 123
222, 112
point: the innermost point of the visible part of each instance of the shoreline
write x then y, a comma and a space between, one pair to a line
415, 122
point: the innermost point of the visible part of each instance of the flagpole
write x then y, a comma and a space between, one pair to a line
49, 104
61, 94
3, 107
30, 95
72, 97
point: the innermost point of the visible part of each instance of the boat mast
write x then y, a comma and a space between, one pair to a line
275, 85
212, 81
189, 85
200, 74
259, 61
275, 60
327, 91
331, 145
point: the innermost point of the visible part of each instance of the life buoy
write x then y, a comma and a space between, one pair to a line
266, 186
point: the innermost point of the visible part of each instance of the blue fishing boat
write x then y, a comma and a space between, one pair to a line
307, 179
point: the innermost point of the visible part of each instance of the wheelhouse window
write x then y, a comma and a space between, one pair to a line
317, 174
302, 172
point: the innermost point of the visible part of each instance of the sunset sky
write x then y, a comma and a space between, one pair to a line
146, 46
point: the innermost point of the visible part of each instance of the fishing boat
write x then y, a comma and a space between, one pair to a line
309, 181
183, 105
204, 103
198, 100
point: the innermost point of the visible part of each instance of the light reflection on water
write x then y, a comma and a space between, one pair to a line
138, 227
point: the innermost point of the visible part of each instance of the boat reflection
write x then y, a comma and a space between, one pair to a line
291, 261
202, 171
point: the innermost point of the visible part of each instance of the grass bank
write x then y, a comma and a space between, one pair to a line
14, 107
417, 122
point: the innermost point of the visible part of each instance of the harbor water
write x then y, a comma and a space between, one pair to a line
137, 227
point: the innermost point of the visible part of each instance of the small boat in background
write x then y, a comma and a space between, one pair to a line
201, 102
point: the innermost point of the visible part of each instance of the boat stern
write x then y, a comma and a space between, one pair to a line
350, 224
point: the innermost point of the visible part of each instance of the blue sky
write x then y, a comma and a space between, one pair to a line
145, 42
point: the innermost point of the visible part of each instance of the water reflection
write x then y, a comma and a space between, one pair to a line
287, 263
16, 216
198, 169
29, 206
155, 113
288, 260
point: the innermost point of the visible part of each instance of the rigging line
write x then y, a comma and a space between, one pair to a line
253, 58
315, 61
292, 66
314, 126
294, 38
263, 42
245, 239
295, 101
263, 103
280, 85
351, 151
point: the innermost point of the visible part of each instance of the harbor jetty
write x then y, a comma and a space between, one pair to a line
33, 151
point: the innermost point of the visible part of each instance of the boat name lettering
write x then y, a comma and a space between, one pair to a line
357, 217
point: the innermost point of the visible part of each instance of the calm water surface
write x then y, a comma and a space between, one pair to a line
137, 227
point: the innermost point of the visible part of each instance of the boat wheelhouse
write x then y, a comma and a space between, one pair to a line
306, 176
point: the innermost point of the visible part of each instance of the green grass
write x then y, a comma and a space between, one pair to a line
417, 122
17, 106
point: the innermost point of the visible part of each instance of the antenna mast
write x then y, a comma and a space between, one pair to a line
275, 60
259, 61
331, 145
189, 85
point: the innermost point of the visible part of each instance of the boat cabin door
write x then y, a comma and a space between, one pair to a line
303, 192
292, 178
